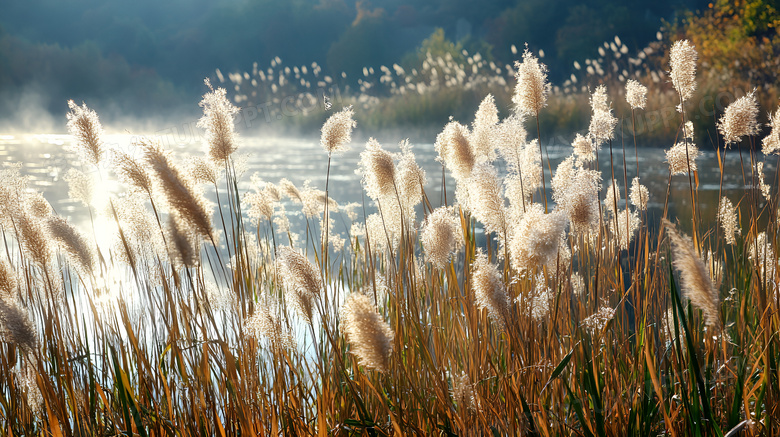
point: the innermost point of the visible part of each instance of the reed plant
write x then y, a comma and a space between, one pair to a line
522, 306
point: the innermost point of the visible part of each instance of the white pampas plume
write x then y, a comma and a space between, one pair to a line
771, 143
536, 240
485, 122
378, 170
681, 157
728, 220
455, 151
302, 280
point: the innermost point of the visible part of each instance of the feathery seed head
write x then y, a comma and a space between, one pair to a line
38, 206
636, 94
486, 199
765, 188
681, 156
532, 87
7, 278
740, 119
536, 240
131, 172
509, 137
727, 214
485, 123
378, 170
16, 326
602, 122
639, 195
302, 280
218, 114
337, 131
489, 289
455, 151
682, 59
266, 323
370, 337
184, 244
441, 236
771, 143
584, 148
73, 242
695, 278
575, 191
85, 127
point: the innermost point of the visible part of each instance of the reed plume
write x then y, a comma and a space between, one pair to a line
584, 148
31, 232
575, 191
289, 190
532, 88
625, 226
183, 244
636, 94
695, 278
639, 195
266, 324
410, 180
489, 289
131, 172
337, 131
38, 206
739, 119
455, 151
80, 186
463, 392
536, 240
602, 122
727, 215
765, 188
7, 278
596, 321
302, 280
486, 199
509, 138
681, 161
441, 236
85, 127
378, 170
483, 128
682, 60
370, 338
218, 114
203, 171
17, 328
179, 191
73, 242
771, 143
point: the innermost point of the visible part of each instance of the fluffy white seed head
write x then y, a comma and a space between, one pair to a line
441, 236
85, 127
727, 215
740, 119
337, 131
532, 87
682, 158
636, 94
682, 60
218, 114
369, 336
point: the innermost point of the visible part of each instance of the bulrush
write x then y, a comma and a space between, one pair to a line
178, 190
695, 278
441, 236
85, 127
485, 122
636, 94
378, 170
602, 122
217, 119
301, 278
739, 119
682, 59
532, 87
489, 289
682, 158
16, 325
73, 242
771, 143
455, 151
370, 338
639, 195
536, 239
727, 215
337, 131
